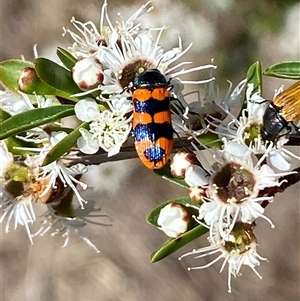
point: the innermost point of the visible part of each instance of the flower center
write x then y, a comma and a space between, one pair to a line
129, 72
233, 183
18, 173
243, 239
251, 132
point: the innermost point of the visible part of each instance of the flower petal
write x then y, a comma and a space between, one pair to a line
87, 109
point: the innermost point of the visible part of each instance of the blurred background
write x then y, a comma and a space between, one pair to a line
235, 34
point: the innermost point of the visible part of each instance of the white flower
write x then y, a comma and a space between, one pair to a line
86, 143
21, 210
18, 103
110, 130
173, 220
12, 104
6, 159
87, 109
57, 170
107, 129
126, 58
246, 131
233, 193
213, 103
120, 104
201, 111
238, 250
89, 39
234, 186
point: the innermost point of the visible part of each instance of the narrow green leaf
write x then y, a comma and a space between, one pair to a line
172, 245
56, 76
153, 215
288, 69
165, 173
13, 144
3, 115
254, 76
55, 128
66, 58
33, 118
64, 145
10, 72
210, 140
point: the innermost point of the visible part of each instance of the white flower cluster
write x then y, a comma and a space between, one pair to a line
108, 61
26, 182
228, 188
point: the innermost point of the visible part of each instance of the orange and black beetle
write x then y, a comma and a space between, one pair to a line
152, 125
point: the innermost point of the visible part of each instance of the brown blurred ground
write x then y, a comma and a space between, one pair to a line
122, 271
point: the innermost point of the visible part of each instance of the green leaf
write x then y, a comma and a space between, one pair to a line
66, 58
153, 215
13, 144
210, 140
3, 115
33, 118
10, 72
172, 245
288, 69
165, 173
254, 76
56, 128
64, 145
57, 77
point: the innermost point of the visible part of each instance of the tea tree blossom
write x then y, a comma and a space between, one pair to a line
107, 129
234, 186
17, 103
206, 112
21, 210
17, 197
239, 249
124, 50
89, 38
246, 130
142, 53
57, 170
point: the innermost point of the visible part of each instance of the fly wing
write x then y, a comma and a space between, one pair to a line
289, 102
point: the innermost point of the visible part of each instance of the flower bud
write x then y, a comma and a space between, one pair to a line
88, 73
180, 162
28, 80
196, 193
173, 220
196, 176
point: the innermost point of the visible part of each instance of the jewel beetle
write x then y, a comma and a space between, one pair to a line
152, 125
281, 112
